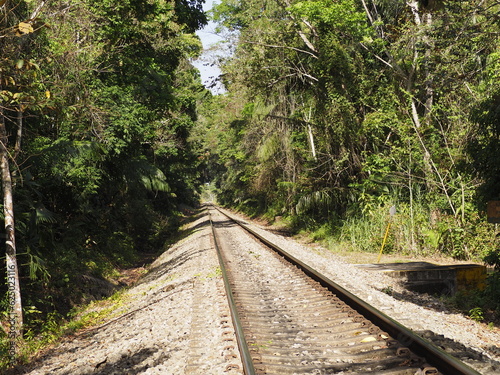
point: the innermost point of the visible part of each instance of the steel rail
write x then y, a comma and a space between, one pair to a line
444, 362
246, 359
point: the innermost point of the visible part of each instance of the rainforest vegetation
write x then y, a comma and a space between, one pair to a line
97, 99
335, 111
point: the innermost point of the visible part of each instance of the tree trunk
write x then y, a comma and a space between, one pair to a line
311, 141
429, 90
310, 135
15, 312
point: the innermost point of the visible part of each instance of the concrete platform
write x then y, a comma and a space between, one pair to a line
424, 277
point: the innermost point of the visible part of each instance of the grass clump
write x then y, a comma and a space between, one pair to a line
40, 334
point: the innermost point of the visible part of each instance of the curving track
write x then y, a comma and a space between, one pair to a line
291, 320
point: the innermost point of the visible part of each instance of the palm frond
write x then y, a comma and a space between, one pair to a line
37, 267
268, 148
43, 215
150, 176
316, 200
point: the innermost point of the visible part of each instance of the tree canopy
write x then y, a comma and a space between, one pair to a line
334, 112
342, 109
98, 100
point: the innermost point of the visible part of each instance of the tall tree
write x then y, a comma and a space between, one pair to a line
379, 92
15, 26
103, 101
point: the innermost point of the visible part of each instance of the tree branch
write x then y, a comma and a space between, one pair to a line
38, 9
284, 47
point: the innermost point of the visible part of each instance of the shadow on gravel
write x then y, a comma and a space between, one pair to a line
161, 269
105, 367
194, 215
285, 232
126, 364
225, 224
468, 354
131, 365
425, 300
158, 271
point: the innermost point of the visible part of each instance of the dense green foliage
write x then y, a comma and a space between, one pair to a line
107, 98
338, 110
335, 111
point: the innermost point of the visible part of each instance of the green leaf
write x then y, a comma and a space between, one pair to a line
19, 64
43, 215
150, 176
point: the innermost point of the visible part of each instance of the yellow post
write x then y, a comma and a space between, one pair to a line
392, 212
383, 242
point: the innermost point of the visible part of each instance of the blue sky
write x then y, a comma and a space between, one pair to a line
208, 38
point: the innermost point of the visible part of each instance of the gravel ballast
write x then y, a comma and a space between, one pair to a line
175, 319
423, 314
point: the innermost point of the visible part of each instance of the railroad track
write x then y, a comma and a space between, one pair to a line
289, 319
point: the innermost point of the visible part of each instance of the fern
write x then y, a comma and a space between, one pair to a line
316, 200
37, 266
268, 148
151, 177
43, 215
261, 110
